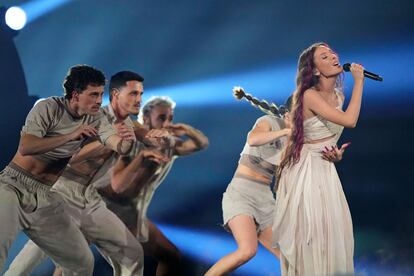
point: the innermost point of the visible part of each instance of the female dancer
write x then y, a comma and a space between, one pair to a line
312, 226
248, 202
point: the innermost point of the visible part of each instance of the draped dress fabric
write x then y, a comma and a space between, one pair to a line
312, 225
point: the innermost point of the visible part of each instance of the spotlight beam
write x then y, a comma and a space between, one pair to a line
275, 82
38, 8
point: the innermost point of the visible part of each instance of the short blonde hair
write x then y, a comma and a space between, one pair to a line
153, 102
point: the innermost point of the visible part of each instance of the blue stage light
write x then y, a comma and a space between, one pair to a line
276, 82
37, 8
15, 18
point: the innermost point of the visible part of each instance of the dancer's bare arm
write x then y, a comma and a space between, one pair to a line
154, 137
196, 139
262, 134
31, 144
129, 172
89, 151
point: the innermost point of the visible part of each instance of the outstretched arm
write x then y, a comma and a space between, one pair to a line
31, 144
127, 173
262, 134
197, 140
155, 137
89, 151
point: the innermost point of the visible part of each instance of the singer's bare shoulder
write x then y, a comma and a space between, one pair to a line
313, 100
311, 93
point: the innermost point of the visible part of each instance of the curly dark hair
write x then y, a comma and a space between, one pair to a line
79, 77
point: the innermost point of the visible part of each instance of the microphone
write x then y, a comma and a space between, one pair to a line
372, 76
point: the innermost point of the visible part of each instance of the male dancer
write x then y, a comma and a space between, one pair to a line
54, 130
97, 223
129, 187
129, 197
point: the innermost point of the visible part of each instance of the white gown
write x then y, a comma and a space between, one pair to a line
312, 224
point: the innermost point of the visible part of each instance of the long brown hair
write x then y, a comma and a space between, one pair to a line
305, 79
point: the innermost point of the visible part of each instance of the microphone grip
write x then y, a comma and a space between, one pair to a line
372, 76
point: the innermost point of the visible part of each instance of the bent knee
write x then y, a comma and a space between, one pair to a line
245, 254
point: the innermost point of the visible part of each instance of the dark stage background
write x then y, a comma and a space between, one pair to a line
195, 52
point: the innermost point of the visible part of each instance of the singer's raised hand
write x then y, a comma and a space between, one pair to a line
357, 71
